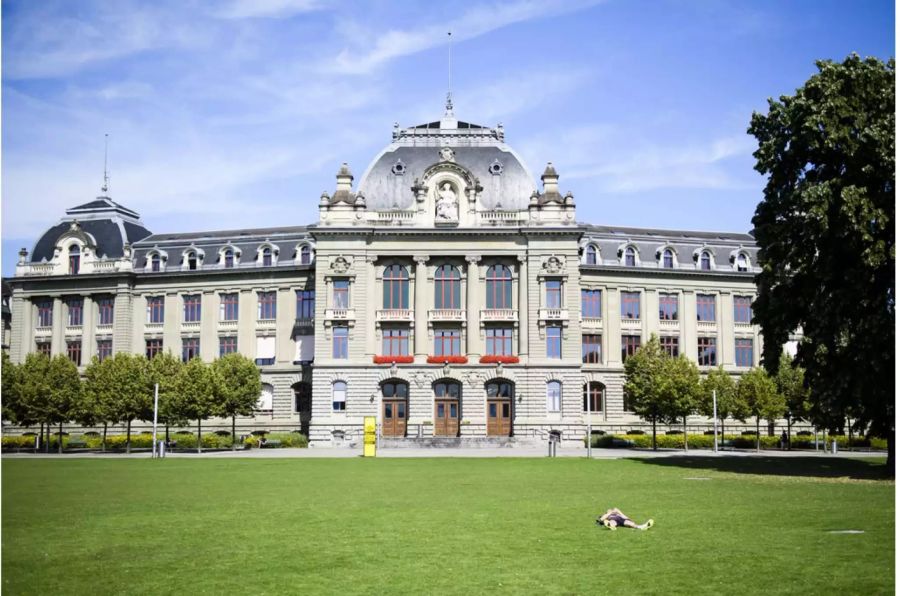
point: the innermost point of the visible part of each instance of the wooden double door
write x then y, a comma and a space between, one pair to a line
394, 413
446, 418
499, 417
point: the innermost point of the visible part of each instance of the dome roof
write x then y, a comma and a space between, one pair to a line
505, 180
108, 224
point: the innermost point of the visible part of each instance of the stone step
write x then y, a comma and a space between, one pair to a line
454, 442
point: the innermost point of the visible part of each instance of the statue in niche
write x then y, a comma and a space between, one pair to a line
447, 204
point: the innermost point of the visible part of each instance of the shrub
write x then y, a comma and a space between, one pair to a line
20, 442
91, 433
392, 359
275, 440
490, 359
447, 359
635, 432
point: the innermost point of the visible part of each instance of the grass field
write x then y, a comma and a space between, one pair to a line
465, 526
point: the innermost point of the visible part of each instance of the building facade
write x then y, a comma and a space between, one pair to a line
445, 294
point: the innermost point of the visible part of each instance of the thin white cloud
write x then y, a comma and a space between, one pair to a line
475, 22
243, 9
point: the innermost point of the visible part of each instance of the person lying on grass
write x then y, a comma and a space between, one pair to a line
613, 518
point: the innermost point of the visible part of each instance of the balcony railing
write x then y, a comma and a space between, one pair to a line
397, 216
73, 329
591, 322
190, 325
107, 328
706, 325
499, 217
743, 327
304, 322
341, 314
553, 314
631, 323
447, 315
229, 324
394, 315
153, 326
668, 324
40, 269
265, 361
492, 315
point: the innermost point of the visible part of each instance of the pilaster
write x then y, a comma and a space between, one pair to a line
209, 316
371, 275
473, 324
421, 304
524, 283
88, 325
57, 343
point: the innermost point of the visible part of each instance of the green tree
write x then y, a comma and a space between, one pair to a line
825, 230
101, 392
34, 391
789, 380
238, 386
13, 407
196, 390
644, 383
131, 398
759, 391
64, 394
727, 401
164, 368
680, 391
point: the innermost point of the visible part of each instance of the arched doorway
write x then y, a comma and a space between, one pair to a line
447, 408
303, 404
500, 395
394, 408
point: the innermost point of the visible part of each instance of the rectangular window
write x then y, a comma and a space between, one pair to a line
668, 307
265, 350
75, 306
630, 345
743, 352
229, 307
339, 396
339, 347
341, 294
631, 305
152, 347
553, 293
266, 311
106, 308
73, 351
554, 396
104, 349
43, 347
590, 303
554, 341
395, 342
227, 345
190, 348
306, 304
192, 308
706, 307
743, 312
591, 351
669, 345
706, 351
446, 342
156, 309
45, 313
498, 341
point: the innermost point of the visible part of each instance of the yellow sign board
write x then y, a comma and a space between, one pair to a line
369, 428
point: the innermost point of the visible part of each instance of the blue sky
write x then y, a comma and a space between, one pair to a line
239, 113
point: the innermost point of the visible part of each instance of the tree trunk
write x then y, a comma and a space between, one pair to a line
128, 438
199, 442
890, 457
654, 434
233, 437
103, 448
757, 434
40, 442
60, 439
167, 431
789, 434
849, 435
685, 434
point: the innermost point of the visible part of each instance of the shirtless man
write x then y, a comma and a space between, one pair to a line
613, 518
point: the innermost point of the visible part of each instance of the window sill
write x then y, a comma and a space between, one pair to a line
392, 359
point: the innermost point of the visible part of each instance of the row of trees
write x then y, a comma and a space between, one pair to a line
120, 389
666, 390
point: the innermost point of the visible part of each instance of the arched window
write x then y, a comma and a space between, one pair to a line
668, 259
396, 287
499, 287
742, 264
154, 262
447, 390
395, 390
630, 257
590, 255
305, 255
593, 396
446, 287
554, 396
339, 396
229, 258
192, 261
267, 257
265, 398
705, 261
74, 259
499, 389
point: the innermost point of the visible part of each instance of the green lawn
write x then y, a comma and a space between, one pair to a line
465, 526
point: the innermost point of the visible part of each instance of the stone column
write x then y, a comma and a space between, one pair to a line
473, 324
173, 316
689, 322
88, 343
421, 311
523, 306
725, 325
371, 306
209, 320
57, 339
612, 339
247, 323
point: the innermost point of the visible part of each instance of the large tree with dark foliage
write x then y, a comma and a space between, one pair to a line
826, 235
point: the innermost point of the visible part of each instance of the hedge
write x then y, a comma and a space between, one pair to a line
275, 440
664, 441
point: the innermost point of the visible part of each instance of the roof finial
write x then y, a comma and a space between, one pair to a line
449, 106
105, 187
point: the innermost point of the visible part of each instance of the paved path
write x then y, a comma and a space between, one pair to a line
327, 452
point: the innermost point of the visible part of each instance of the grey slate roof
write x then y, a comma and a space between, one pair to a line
104, 220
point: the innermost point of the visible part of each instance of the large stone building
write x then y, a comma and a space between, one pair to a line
446, 294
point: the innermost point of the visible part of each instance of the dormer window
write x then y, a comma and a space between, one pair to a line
742, 264
305, 255
154, 262
630, 257
192, 261
668, 261
267, 257
705, 261
229, 258
590, 255
74, 259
